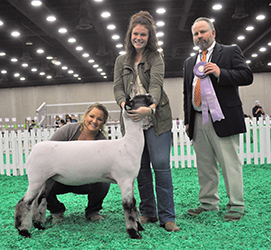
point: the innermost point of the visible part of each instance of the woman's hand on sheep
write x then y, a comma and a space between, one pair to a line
140, 113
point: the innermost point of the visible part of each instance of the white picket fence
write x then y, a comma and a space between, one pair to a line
254, 146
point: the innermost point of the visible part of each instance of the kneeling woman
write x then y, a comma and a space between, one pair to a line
90, 128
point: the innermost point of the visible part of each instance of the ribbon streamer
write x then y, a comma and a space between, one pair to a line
208, 97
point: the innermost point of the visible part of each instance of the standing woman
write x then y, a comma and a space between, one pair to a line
90, 128
141, 71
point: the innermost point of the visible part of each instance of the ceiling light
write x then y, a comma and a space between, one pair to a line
249, 28
1, 23
85, 55
79, 48
239, 12
36, 3
241, 37
62, 30
99, 70
192, 54
115, 37
98, 0
160, 34
84, 24
122, 52
22, 78
254, 55
15, 33
111, 27
105, 77
40, 51
57, 63
42, 73
103, 73
71, 40
51, 18
64, 67
160, 43
34, 70
2, 53
28, 42
217, 7
105, 14
26, 56
269, 44
24, 65
14, 60
70, 71
75, 75
260, 17
91, 61
262, 49
248, 61
95, 65
160, 11
160, 23
3, 71
16, 74
269, 64
119, 45
49, 77
196, 48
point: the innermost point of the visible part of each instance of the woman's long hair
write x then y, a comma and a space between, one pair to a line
143, 18
100, 107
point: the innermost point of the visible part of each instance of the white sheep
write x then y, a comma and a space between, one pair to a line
114, 161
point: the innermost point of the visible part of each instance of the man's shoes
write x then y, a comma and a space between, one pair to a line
96, 216
233, 216
196, 211
145, 219
171, 227
57, 218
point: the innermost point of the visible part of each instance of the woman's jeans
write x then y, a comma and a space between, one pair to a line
96, 193
156, 152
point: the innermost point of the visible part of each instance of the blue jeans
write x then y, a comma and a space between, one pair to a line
157, 152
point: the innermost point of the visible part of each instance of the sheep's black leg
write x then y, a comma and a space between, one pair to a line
23, 217
40, 205
131, 216
24, 233
139, 226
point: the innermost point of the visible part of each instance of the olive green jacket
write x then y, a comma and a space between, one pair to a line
151, 74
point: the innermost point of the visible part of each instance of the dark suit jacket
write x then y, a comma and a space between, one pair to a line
234, 73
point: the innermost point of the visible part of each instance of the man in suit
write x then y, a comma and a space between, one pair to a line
217, 141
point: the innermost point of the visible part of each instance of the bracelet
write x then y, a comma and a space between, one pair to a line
152, 109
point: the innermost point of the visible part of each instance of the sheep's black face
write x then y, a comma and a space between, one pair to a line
138, 101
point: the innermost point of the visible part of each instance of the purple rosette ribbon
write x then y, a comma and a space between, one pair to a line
208, 97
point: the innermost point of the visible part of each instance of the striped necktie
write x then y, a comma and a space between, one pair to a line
197, 93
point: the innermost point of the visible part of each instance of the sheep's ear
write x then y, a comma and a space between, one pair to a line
128, 104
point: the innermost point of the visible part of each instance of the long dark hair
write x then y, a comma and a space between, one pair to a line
143, 18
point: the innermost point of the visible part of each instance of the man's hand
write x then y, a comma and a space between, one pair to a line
212, 68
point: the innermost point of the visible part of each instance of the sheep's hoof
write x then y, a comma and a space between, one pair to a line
139, 226
38, 225
134, 234
24, 233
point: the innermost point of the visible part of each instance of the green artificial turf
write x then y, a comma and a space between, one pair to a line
207, 231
